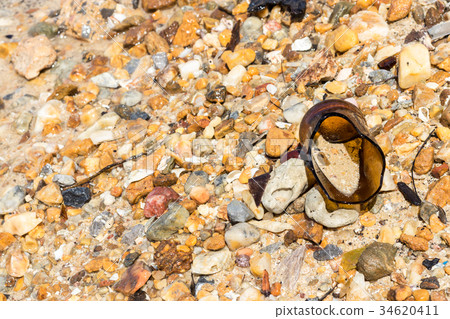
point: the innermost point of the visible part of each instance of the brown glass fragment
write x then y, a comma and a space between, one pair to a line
338, 121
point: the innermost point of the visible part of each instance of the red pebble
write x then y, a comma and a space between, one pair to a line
440, 170
158, 200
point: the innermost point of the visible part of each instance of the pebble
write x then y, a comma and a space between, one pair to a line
169, 223
17, 263
260, 263
295, 113
357, 289
377, 261
189, 69
345, 39
133, 278
329, 252
21, 224
11, 200
63, 180
369, 25
399, 9
315, 209
440, 193
424, 161
302, 45
421, 295
200, 194
160, 60
177, 291
6, 239
101, 221
156, 44
76, 197
251, 29
32, 56
196, 178
135, 232
105, 80
240, 57
414, 242
241, 235
428, 209
286, 183
380, 76
418, 14
278, 141
211, 262
50, 195
131, 98
238, 212
251, 294
215, 242
429, 283
48, 29
399, 293
158, 200
234, 77
414, 65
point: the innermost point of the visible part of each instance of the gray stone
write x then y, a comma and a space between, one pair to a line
197, 178
202, 146
315, 209
12, 199
132, 65
329, 252
377, 261
129, 237
106, 80
439, 31
241, 235
45, 28
295, 113
238, 212
271, 248
63, 180
160, 60
169, 223
131, 98
101, 221
380, 76
427, 209
251, 29
286, 183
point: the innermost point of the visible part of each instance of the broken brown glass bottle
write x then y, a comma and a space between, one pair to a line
339, 150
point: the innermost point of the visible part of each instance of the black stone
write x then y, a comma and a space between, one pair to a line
295, 7
329, 252
130, 259
410, 195
106, 13
139, 115
76, 197
217, 94
430, 263
138, 296
429, 283
257, 186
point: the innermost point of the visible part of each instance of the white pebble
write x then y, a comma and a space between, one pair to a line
303, 44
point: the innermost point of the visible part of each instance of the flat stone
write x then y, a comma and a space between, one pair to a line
315, 209
76, 197
105, 80
238, 212
169, 223
286, 183
329, 252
